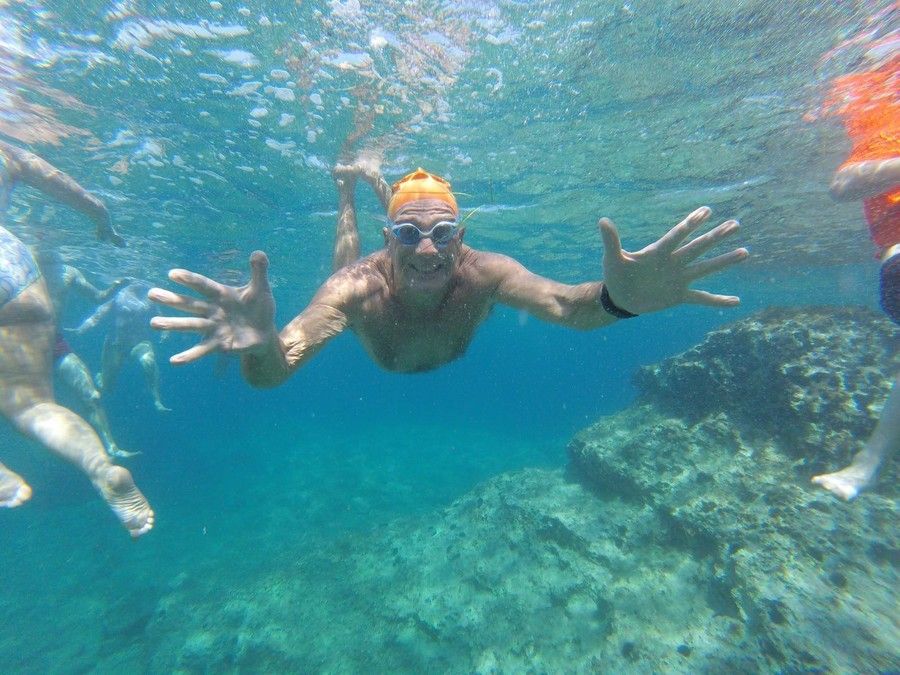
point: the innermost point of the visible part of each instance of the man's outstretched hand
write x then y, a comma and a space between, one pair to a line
659, 275
231, 318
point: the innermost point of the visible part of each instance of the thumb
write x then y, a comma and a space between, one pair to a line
612, 245
259, 267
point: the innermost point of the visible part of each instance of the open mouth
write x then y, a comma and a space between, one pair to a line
428, 270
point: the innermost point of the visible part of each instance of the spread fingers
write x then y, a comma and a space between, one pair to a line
700, 245
194, 353
177, 301
197, 282
720, 262
711, 299
179, 323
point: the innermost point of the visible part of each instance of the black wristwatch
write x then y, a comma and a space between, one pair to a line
611, 307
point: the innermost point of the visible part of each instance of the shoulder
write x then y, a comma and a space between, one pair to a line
488, 269
355, 282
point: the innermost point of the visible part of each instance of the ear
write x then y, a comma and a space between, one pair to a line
462, 233
386, 233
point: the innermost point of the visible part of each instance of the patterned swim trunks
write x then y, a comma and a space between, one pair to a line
18, 270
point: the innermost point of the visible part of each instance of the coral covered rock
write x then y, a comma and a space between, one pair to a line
816, 378
684, 537
803, 572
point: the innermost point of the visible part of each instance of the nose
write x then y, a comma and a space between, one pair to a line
426, 246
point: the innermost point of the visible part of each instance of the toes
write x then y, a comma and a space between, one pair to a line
22, 495
144, 528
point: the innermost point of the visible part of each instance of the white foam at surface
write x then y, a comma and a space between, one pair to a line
141, 33
284, 94
284, 147
245, 89
237, 57
212, 77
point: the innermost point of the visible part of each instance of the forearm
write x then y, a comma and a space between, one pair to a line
861, 180
346, 242
298, 342
87, 290
94, 319
40, 174
579, 307
573, 306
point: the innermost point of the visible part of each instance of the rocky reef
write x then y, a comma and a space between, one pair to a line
722, 444
815, 379
684, 536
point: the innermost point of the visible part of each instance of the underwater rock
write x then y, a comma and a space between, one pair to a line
816, 377
809, 578
530, 572
677, 543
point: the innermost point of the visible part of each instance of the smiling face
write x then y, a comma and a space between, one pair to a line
423, 268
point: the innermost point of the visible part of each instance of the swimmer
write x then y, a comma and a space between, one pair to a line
130, 337
870, 107
61, 278
416, 303
27, 335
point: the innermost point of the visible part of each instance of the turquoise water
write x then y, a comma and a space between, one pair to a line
210, 129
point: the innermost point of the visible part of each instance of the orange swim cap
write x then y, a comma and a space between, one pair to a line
420, 185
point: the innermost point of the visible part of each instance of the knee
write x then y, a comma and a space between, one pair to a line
147, 359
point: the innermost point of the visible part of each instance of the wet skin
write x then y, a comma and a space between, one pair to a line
415, 308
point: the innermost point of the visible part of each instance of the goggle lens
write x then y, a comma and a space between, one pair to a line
410, 235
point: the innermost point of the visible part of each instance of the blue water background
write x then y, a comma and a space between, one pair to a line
244, 481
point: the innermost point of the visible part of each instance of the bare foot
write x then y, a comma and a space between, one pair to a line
345, 175
127, 502
846, 483
160, 407
13, 489
366, 166
369, 165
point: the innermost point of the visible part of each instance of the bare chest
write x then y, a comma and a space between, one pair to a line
404, 342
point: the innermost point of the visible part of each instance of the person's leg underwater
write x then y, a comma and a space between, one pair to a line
27, 332
868, 104
74, 373
146, 357
346, 238
110, 365
882, 444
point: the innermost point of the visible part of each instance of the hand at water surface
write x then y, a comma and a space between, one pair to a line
231, 319
659, 275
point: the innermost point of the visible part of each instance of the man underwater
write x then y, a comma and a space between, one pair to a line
415, 303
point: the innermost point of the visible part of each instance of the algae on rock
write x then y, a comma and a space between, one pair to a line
684, 537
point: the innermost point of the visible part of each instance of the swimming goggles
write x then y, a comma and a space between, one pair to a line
441, 233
